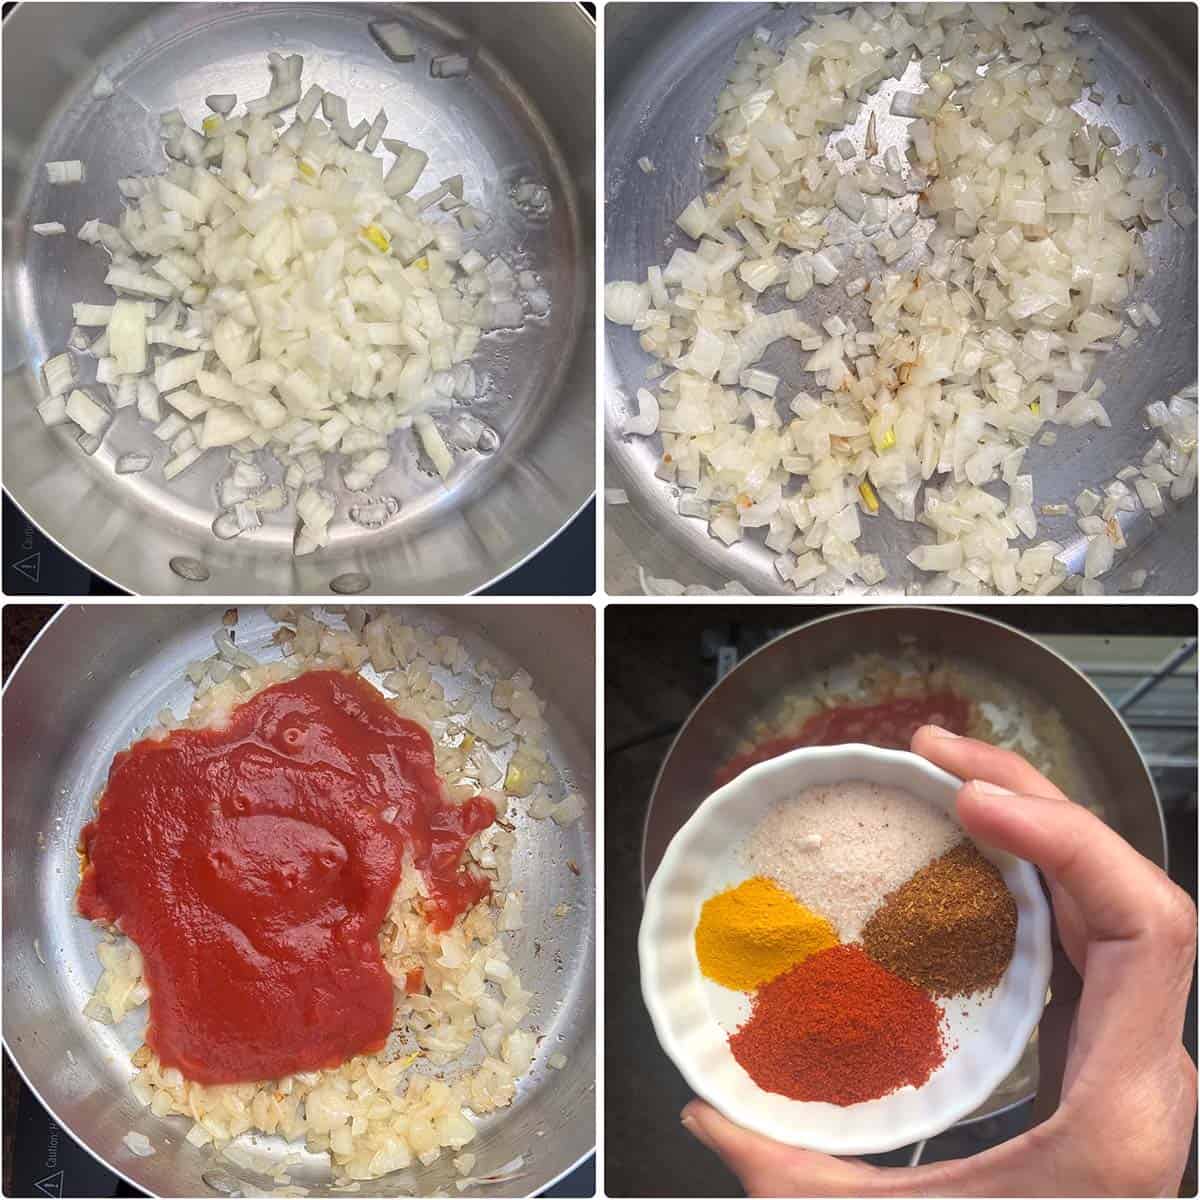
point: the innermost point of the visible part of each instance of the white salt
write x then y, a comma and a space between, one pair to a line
840, 848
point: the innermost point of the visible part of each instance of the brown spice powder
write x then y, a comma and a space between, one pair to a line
950, 929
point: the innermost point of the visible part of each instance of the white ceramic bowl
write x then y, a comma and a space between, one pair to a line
694, 1016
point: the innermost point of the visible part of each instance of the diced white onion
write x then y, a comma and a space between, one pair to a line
59, 374
91, 416
646, 421
994, 333
71, 171
131, 464
315, 308
449, 66
624, 303
1099, 557
395, 39
53, 410
139, 1144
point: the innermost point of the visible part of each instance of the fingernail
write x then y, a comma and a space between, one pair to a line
693, 1127
938, 731
990, 789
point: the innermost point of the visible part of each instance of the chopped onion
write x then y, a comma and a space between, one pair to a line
989, 338
132, 464
568, 810
59, 374
624, 303
315, 307
49, 228
71, 171
378, 126
181, 462
646, 421
849, 199
127, 336
92, 417
1099, 557
53, 410
449, 66
395, 39
435, 446
1150, 495
139, 1144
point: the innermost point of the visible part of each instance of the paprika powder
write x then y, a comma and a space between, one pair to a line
841, 1029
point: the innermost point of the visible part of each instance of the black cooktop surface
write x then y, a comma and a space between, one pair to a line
35, 566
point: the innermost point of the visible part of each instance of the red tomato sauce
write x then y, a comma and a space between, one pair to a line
889, 725
253, 867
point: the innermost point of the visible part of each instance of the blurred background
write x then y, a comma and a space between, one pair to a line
661, 660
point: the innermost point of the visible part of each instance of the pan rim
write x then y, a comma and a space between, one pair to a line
864, 608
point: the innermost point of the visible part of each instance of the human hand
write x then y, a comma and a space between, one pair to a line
1112, 1055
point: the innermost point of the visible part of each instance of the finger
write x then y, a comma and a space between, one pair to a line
1054, 1035
1140, 927
970, 759
767, 1168
1116, 889
1070, 926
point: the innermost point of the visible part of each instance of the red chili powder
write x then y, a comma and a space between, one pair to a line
839, 1028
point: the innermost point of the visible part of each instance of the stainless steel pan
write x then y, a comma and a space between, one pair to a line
664, 65
525, 112
1113, 772
93, 679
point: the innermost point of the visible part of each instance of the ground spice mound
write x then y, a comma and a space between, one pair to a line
950, 929
753, 932
839, 847
839, 1028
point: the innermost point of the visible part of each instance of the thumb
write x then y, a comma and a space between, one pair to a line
768, 1168
1141, 928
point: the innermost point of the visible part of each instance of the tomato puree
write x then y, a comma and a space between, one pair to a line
253, 865
889, 724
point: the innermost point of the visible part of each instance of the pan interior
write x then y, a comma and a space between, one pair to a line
81, 1068
664, 68
484, 128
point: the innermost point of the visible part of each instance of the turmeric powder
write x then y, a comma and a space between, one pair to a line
755, 931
